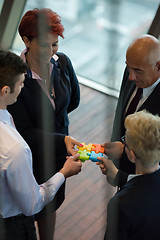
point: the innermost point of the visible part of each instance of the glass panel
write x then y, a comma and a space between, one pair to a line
97, 34
1, 4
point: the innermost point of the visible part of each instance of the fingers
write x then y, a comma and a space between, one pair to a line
79, 161
98, 163
75, 157
106, 145
72, 166
70, 143
101, 165
103, 169
79, 144
72, 151
75, 142
102, 159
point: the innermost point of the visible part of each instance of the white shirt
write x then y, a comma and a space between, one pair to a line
146, 93
19, 191
130, 176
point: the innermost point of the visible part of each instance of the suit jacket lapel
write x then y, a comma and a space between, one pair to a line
152, 100
128, 92
39, 96
55, 76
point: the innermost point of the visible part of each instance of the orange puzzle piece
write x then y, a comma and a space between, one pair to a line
98, 148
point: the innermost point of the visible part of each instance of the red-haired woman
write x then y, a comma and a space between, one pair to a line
50, 92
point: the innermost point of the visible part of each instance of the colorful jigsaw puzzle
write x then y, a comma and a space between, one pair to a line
90, 152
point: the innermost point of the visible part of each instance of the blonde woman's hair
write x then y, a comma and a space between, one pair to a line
143, 137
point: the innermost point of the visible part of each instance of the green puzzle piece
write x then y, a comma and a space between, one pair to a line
83, 155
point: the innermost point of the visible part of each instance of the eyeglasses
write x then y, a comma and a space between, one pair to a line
123, 140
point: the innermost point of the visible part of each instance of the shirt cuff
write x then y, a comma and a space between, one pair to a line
51, 187
57, 180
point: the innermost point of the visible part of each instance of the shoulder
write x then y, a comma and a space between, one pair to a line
12, 145
10, 139
126, 193
31, 87
63, 60
126, 83
62, 55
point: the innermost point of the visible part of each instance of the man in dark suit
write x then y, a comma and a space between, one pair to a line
134, 213
142, 71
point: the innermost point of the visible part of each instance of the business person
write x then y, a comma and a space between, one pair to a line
20, 195
50, 92
133, 213
142, 72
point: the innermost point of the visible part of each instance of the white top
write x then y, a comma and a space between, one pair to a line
19, 191
130, 176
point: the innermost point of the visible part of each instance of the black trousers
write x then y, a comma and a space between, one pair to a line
17, 228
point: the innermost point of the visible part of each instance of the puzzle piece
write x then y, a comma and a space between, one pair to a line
83, 155
93, 156
98, 148
90, 152
87, 147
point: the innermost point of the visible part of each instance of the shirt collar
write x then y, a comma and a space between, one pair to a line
147, 91
32, 74
5, 117
132, 176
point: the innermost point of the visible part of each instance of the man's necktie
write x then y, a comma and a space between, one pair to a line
134, 103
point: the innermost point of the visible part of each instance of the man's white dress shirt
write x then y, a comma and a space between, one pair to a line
19, 191
146, 93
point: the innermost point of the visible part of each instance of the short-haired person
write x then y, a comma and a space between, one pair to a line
50, 93
142, 72
134, 213
20, 195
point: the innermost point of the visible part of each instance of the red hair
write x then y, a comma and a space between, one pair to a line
29, 25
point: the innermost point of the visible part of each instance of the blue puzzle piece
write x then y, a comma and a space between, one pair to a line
93, 156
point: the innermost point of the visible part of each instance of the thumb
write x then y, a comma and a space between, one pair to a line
103, 144
102, 159
106, 145
75, 157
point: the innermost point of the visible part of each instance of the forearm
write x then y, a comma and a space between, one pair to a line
29, 197
50, 188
